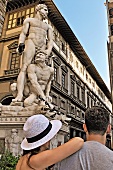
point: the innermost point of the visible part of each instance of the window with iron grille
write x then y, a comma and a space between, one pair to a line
20, 21
83, 95
15, 61
78, 92
72, 88
16, 19
63, 80
55, 73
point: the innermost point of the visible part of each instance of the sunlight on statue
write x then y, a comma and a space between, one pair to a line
34, 81
40, 38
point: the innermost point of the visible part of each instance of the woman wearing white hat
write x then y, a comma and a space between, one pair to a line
38, 132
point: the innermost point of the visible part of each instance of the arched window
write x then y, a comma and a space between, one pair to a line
7, 100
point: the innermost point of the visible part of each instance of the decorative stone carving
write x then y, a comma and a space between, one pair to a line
64, 68
10, 110
13, 45
56, 60
63, 118
12, 143
73, 77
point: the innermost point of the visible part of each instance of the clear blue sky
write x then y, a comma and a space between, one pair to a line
88, 20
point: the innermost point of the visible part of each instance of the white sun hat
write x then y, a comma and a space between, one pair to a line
38, 130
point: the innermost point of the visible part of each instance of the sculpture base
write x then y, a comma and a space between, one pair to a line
14, 117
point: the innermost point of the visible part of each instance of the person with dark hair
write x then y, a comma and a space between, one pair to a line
38, 132
94, 155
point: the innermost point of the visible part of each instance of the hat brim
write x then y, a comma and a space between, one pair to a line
56, 125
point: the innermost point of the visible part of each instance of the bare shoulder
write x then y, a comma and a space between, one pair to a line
31, 67
27, 20
19, 164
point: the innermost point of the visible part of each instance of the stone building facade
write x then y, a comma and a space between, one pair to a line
3, 4
109, 8
76, 85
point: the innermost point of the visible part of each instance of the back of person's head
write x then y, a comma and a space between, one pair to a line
38, 130
96, 120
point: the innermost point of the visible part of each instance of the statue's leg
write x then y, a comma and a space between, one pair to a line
29, 100
27, 58
26, 90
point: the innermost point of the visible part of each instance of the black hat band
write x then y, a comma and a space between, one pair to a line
41, 135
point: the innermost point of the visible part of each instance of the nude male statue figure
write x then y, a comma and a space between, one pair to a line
40, 38
40, 76
12, 143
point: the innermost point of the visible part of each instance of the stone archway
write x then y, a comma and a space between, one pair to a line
6, 100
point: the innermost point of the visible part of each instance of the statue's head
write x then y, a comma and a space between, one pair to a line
43, 10
14, 131
40, 56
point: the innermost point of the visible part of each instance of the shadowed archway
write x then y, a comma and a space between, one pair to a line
7, 100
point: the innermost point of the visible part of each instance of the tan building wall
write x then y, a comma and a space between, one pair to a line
2, 14
66, 101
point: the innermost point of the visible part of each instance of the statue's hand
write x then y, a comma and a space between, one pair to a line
21, 47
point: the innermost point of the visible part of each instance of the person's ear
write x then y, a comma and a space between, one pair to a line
108, 129
84, 127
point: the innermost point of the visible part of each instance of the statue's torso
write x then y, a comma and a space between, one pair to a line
37, 32
43, 75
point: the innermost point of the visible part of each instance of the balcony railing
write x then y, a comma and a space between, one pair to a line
12, 72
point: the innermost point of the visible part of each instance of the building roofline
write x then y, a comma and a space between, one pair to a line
75, 45
60, 23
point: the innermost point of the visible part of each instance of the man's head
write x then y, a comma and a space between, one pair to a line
43, 10
96, 121
40, 57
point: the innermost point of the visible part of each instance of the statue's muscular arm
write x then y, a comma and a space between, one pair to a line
24, 31
50, 40
48, 86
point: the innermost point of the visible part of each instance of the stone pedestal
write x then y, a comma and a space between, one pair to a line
14, 117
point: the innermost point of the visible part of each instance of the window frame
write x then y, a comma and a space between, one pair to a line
19, 14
